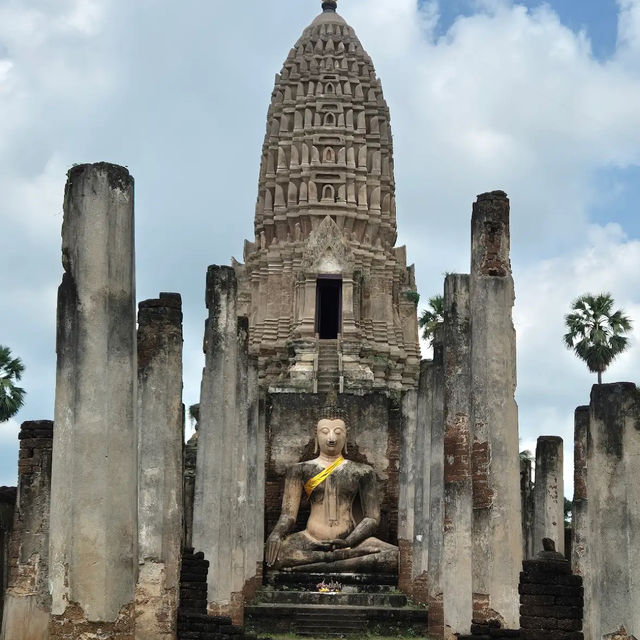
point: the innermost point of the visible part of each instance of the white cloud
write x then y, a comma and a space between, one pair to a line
8, 453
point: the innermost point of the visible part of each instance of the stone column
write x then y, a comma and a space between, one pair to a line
549, 492
220, 505
436, 498
161, 438
456, 563
241, 573
422, 496
612, 584
407, 479
255, 485
28, 604
579, 507
526, 496
94, 523
7, 507
497, 520
190, 461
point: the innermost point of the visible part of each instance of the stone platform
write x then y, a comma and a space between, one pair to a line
291, 603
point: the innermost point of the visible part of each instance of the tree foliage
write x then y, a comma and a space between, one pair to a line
11, 396
596, 333
432, 317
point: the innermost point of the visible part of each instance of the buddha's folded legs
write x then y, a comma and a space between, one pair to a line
298, 553
380, 562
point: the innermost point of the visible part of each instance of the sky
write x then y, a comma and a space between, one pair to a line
541, 100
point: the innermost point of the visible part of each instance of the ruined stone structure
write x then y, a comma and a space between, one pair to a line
7, 507
324, 283
481, 543
160, 466
606, 517
27, 603
147, 538
94, 524
549, 491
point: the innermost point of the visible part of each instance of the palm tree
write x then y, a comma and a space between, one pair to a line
11, 397
596, 332
430, 318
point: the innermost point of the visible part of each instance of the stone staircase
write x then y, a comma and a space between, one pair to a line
328, 370
290, 603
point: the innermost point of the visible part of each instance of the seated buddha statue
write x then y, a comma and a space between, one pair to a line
332, 541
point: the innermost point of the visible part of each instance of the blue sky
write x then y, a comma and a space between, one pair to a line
599, 18
543, 103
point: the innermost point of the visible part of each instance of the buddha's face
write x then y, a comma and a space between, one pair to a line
332, 435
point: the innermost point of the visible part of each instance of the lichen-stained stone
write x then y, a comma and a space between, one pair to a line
27, 603
93, 530
611, 564
456, 572
549, 491
160, 444
497, 518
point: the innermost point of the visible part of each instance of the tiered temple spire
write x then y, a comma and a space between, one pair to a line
326, 206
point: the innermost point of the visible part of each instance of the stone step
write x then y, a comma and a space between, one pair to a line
331, 619
336, 599
361, 582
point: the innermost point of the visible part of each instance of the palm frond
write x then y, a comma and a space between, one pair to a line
596, 332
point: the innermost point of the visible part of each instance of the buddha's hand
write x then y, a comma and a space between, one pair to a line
272, 547
332, 545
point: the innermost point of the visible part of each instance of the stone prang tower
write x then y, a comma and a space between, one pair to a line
330, 300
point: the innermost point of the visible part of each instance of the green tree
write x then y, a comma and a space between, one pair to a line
11, 396
596, 331
568, 510
431, 317
527, 455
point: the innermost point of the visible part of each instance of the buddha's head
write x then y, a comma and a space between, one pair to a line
331, 436
331, 431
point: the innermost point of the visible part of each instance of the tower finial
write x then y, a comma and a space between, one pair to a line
329, 6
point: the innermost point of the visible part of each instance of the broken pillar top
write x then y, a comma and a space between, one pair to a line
118, 176
8, 495
166, 300
490, 235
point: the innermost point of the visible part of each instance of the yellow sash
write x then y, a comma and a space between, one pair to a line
310, 485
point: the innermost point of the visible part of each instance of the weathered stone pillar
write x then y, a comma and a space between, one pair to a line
220, 507
255, 485
422, 453
190, 462
456, 572
579, 506
436, 498
612, 583
160, 443
7, 507
406, 489
549, 491
241, 573
27, 604
497, 520
94, 523
526, 497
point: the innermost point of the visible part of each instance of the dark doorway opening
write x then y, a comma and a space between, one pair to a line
328, 307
